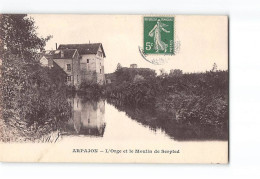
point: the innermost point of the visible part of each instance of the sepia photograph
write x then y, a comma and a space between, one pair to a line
114, 88
129, 89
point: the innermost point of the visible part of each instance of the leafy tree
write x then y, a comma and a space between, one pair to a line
18, 49
33, 97
175, 72
118, 67
18, 36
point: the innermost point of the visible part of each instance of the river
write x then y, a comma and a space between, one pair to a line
103, 120
99, 120
111, 132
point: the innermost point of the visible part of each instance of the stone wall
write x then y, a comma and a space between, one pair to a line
90, 66
76, 70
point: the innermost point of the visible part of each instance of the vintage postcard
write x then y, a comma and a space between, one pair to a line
114, 88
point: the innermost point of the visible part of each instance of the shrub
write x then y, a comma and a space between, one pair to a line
128, 74
91, 89
32, 100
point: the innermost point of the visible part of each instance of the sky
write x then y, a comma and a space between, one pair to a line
203, 39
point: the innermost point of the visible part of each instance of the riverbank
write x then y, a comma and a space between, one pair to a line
189, 106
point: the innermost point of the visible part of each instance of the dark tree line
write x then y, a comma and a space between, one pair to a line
196, 102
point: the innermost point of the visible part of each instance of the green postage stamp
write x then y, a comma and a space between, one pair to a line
159, 35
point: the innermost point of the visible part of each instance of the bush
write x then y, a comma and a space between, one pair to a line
142, 92
128, 74
33, 100
199, 98
187, 106
91, 89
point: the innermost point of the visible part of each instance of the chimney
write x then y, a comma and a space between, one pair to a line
62, 54
56, 46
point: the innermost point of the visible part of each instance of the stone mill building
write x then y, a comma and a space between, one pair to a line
81, 62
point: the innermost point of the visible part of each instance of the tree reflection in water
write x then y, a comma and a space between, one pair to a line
88, 119
155, 119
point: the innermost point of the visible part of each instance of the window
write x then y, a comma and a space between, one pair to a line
100, 71
87, 60
68, 67
77, 78
99, 53
68, 78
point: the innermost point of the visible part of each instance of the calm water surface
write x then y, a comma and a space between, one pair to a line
102, 121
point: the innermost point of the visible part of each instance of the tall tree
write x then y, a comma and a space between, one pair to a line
18, 37
19, 45
118, 67
33, 100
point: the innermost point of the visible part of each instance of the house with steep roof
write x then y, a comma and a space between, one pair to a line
91, 58
67, 60
81, 62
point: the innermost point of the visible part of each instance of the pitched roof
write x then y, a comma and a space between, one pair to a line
56, 54
57, 68
84, 48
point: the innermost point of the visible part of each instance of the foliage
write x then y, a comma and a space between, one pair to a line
198, 101
33, 97
33, 103
128, 74
18, 36
154, 118
175, 72
91, 89
142, 92
118, 67
197, 98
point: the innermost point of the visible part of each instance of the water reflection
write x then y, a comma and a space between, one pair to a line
87, 117
149, 116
